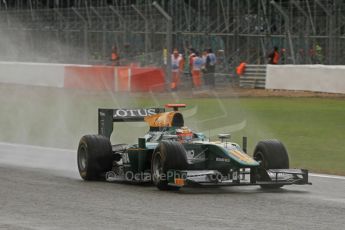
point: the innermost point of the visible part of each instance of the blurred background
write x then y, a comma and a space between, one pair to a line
85, 32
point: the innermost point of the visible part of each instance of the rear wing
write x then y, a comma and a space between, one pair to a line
106, 117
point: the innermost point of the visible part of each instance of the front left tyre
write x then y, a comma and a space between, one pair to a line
169, 155
94, 157
271, 154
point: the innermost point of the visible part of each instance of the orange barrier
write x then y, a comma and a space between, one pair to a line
147, 79
119, 78
89, 77
122, 79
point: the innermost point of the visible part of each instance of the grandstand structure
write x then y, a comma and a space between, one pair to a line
83, 31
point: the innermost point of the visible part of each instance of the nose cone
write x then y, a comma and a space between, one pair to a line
242, 158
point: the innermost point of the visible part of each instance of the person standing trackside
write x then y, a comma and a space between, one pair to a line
273, 57
177, 65
190, 59
203, 68
114, 56
197, 64
210, 65
204, 56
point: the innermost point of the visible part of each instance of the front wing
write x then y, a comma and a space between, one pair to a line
202, 178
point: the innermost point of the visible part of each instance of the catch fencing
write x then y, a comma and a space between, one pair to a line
306, 32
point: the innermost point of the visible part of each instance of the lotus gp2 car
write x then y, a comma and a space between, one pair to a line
172, 156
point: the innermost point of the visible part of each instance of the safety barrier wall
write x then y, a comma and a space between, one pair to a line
32, 74
147, 79
89, 77
121, 79
318, 78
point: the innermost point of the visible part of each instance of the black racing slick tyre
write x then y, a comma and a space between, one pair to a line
94, 156
168, 155
271, 154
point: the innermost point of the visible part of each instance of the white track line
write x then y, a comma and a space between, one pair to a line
36, 147
327, 176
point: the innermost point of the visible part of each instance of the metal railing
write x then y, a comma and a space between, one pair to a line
254, 77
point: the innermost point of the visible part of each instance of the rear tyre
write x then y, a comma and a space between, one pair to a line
168, 155
94, 156
271, 154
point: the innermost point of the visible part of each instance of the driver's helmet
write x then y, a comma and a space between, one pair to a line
184, 134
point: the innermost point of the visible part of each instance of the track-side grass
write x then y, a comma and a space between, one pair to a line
313, 129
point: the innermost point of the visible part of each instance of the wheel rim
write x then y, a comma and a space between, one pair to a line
259, 158
157, 167
82, 159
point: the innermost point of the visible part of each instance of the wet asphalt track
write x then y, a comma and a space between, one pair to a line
40, 189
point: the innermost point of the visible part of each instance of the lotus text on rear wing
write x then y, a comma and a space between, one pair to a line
123, 113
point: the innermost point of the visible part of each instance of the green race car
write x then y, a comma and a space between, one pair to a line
172, 156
